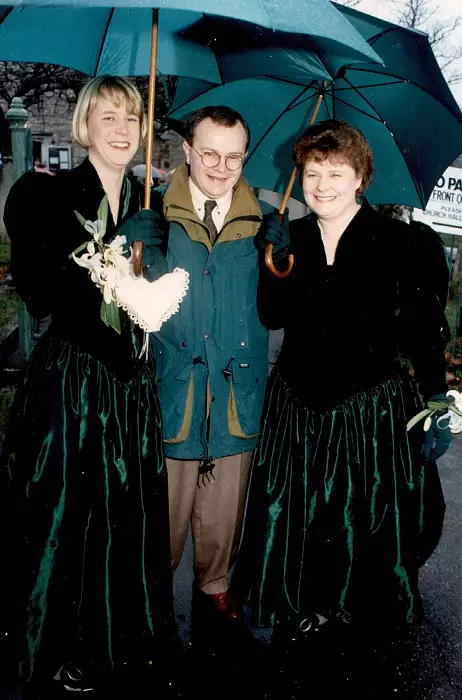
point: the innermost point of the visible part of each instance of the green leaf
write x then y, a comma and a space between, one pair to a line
80, 218
110, 315
103, 212
419, 416
439, 405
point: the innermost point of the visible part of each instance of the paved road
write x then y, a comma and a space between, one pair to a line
426, 664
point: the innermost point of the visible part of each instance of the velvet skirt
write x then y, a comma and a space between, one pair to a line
88, 530
342, 509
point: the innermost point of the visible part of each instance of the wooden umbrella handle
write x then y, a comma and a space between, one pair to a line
137, 249
137, 258
270, 264
269, 248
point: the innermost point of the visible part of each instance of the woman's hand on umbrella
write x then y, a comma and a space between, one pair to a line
146, 226
276, 231
151, 229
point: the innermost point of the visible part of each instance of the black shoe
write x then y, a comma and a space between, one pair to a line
291, 633
75, 678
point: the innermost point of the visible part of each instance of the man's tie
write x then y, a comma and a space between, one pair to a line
209, 206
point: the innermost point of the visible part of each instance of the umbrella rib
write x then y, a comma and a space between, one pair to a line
326, 106
103, 41
383, 121
361, 111
287, 81
6, 15
369, 104
305, 99
207, 89
278, 118
408, 82
217, 58
378, 36
375, 85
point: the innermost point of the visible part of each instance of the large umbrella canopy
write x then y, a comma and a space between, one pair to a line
126, 37
95, 36
404, 107
289, 16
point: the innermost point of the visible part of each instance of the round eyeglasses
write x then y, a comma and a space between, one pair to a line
211, 159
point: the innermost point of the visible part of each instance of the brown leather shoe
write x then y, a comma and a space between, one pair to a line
226, 604
218, 624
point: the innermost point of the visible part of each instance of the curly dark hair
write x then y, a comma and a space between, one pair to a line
338, 139
220, 114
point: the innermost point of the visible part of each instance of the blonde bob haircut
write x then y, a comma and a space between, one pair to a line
115, 90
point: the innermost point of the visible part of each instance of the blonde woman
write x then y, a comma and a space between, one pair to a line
84, 454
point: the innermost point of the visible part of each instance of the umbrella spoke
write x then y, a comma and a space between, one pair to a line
103, 40
375, 117
4, 13
376, 85
271, 126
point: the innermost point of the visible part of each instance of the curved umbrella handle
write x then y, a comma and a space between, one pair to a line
269, 248
137, 258
270, 264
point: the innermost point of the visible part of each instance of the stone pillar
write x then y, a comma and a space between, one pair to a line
17, 117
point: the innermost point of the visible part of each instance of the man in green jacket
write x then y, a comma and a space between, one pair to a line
212, 358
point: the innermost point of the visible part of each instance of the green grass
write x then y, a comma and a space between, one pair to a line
451, 315
6, 401
4, 252
8, 307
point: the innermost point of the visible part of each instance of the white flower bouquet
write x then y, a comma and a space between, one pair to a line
148, 304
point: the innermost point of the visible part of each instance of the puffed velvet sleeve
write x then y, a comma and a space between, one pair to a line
30, 225
273, 297
42, 231
276, 296
423, 290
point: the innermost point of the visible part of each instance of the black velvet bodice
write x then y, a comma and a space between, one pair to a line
346, 325
44, 230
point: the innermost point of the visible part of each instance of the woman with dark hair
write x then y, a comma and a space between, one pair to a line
345, 504
83, 460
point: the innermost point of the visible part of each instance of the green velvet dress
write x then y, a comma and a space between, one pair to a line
83, 458
343, 507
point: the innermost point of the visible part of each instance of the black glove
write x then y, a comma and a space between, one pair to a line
437, 437
151, 229
275, 231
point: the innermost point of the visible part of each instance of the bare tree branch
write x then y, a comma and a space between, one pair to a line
423, 14
34, 81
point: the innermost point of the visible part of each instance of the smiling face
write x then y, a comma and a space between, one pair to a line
330, 187
113, 133
211, 137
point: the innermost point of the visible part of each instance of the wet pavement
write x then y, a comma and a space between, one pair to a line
423, 664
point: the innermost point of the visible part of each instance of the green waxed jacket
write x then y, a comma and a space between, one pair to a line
212, 356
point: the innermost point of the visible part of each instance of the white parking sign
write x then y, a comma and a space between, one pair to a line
444, 209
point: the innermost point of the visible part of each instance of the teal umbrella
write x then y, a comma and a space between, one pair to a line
94, 36
140, 37
404, 107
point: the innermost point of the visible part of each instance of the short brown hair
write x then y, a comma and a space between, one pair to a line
338, 139
220, 114
113, 89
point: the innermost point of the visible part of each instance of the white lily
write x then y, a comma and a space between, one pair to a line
96, 228
453, 418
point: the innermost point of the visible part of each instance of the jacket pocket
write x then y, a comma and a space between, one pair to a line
246, 396
176, 395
